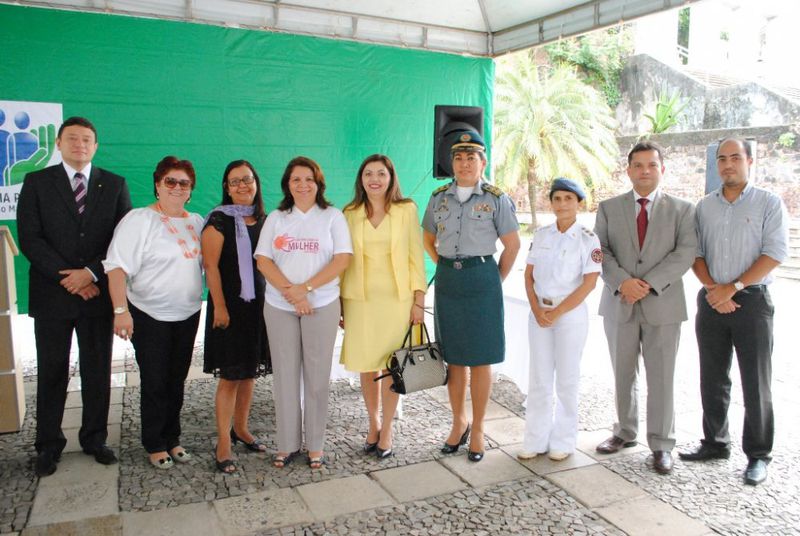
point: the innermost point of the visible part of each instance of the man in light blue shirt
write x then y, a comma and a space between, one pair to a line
742, 236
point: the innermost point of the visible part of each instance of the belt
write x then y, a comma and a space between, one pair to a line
464, 263
754, 288
551, 302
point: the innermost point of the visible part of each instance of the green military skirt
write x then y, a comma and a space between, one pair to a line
468, 311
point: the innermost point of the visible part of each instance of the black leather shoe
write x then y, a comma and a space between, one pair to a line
46, 463
475, 456
102, 454
449, 449
706, 452
614, 444
756, 472
662, 462
383, 453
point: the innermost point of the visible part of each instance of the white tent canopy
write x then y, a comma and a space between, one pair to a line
475, 27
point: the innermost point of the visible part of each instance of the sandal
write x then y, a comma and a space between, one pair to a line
181, 456
282, 460
161, 463
253, 446
226, 466
316, 462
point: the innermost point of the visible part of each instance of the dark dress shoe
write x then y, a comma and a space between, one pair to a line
449, 449
706, 452
382, 454
614, 444
102, 454
756, 472
475, 456
662, 462
46, 463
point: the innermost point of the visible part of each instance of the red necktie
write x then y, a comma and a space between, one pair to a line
641, 220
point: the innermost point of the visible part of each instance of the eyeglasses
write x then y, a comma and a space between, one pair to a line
172, 182
233, 183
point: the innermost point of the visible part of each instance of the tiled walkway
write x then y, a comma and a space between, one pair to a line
419, 491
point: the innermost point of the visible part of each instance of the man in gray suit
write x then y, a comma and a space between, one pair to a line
649, 242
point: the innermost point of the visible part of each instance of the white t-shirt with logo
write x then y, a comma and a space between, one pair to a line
301, 244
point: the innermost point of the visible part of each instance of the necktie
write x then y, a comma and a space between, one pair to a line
641, 220
80, 192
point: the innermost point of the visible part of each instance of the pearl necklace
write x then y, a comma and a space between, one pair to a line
188, 253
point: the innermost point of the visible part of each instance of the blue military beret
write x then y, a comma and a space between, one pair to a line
468, 141
567, 185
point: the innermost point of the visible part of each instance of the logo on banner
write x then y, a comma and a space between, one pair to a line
27, 143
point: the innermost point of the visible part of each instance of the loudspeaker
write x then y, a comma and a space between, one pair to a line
448, 122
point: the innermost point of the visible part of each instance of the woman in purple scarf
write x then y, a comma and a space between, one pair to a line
236, 348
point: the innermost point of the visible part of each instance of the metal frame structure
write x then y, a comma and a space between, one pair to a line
473, 27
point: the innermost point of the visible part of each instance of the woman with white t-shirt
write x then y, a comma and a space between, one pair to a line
155, 282
303, 249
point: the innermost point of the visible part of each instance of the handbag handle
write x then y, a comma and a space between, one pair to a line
425, 338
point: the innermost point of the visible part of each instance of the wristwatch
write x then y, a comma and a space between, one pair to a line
309, 288
738, 285
120, 310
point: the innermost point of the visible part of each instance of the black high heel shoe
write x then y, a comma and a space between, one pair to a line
370, 447
254, 446
449, 449
382, 454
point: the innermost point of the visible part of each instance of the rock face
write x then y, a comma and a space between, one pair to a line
714, 103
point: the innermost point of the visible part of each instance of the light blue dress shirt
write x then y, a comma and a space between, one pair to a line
731, 236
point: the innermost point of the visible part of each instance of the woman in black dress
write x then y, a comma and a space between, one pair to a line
236, 348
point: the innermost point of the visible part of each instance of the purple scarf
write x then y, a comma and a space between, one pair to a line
243, 245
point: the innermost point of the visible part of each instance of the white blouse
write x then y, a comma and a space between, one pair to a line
164, 277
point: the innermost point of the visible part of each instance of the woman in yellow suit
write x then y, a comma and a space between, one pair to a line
383, 289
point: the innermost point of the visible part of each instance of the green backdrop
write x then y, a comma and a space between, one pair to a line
213, 94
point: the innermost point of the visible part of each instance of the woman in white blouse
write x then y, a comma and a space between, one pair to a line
303, 248
155, 282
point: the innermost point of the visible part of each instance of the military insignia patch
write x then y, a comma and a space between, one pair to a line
597, 255
482, 207
492, 189
465, 137
441, 189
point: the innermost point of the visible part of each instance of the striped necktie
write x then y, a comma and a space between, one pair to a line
80, 192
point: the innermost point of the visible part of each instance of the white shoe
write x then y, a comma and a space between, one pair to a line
558, 456
527, 455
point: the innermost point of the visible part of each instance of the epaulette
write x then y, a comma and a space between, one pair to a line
492, 189
587, 231
441, 189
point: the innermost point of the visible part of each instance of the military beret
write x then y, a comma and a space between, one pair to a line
567, 185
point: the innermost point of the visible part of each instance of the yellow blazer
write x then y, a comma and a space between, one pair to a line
406, 252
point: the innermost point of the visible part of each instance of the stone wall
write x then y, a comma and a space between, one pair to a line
742, 105
777, 167
642, 79
745, 104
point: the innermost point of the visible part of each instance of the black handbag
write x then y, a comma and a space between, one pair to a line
416, 368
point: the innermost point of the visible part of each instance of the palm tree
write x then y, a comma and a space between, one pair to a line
549, 123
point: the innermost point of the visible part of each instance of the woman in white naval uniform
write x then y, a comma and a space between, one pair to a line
563, 265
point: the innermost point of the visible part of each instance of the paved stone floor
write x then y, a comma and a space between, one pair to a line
419, 491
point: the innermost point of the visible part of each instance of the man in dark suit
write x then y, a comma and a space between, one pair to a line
66, 215
649, 242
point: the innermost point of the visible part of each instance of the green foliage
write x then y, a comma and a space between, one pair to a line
599, 57
669, 110
550, 123
684, 18
787, 139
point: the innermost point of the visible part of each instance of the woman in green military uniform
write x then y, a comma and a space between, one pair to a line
462, 223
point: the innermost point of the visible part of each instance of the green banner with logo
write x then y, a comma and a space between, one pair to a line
212, 94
